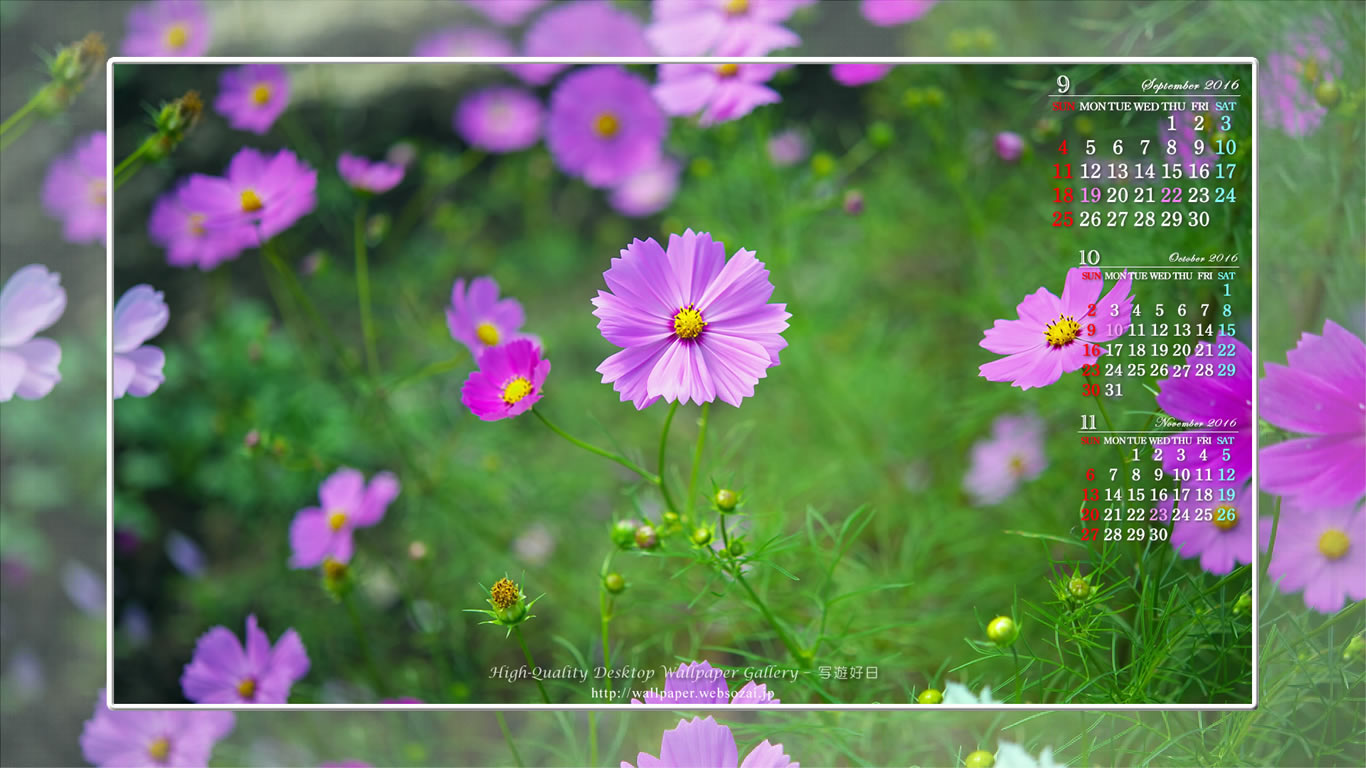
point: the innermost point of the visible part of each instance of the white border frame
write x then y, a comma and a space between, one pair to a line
912, 60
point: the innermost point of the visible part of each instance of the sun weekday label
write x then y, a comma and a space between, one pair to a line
759, 383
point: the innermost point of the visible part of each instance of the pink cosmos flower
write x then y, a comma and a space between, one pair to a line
500, 119
889, 13
700, 27
180, 229
180, 738
787, 148
74, 190
1012, 455
858, 74
704, 742
1052, 334
510, 380
1321, 550
604, 125
581, 28
698, 684
31, 301
508, 13
260, 197
140, 314
479, 319
168, 28
1223, 396
720, 92
1185, 136
1009, 146
347, 503
461, 42
223, 672
251, 97
693, 326
1322, 392
1309, 60
649, 191
362, 175
1215, 524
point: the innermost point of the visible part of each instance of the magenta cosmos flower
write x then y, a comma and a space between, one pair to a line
74, 190
787, 148
1051, 334
1309, 61
699, 683
251, 97
1214, 524
720, 92
479, 319
500, 119
260, 197
31, 301
581, 28
140, 314
1222, 397
604, 125
509, 381
705, 742
1322, 392
168, 28
1322, 551
370, 177
1012, 455
649, 191
180, 228
462, 42
698, 27
347, 503
179, 738
1009, 146
223, 672
508, 13
693, 326
858, 74
889, 13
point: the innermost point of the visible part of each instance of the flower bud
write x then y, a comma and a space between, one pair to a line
1009, 146
1002, 631
417, 550
623, 534
934, 96
979, 759
702, 167
822, 164
737, 548
1243, 604
1079, 588
913, 98
726, 499
614, 583
508, 601
174, 122
70, 70
1328, 94
853, 202
1356, 648
337, 578
930, 696
701, 537
251, 439
880, 134
1084, 125
646, 538
670, 519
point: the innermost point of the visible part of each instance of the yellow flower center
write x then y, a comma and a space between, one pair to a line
336, 519
737, 7
504, 593
247, 688
487, 333
1334, 543
606, 125
1016, 466
729, 69
260, 94
333, 570
688, 323
515, 390
251, 202
159, 750
177, 35
1062, 331
1309, 68
97, 192
1226, 517
196, 224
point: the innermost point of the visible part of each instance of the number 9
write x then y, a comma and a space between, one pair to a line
1063, 83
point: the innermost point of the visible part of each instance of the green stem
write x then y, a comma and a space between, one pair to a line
1019, 680
663, 444
296, 288
129, 166
531, 665
792, 648
18, 117
378, 679
363, 294
697, 457
605, 614
431, 370
622, 460
592, 738
1271, 543
507, 736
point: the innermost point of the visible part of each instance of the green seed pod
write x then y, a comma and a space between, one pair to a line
614, 583
1002, 631
1079, 588
979, 759
726, 499
930, 696
701, 537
